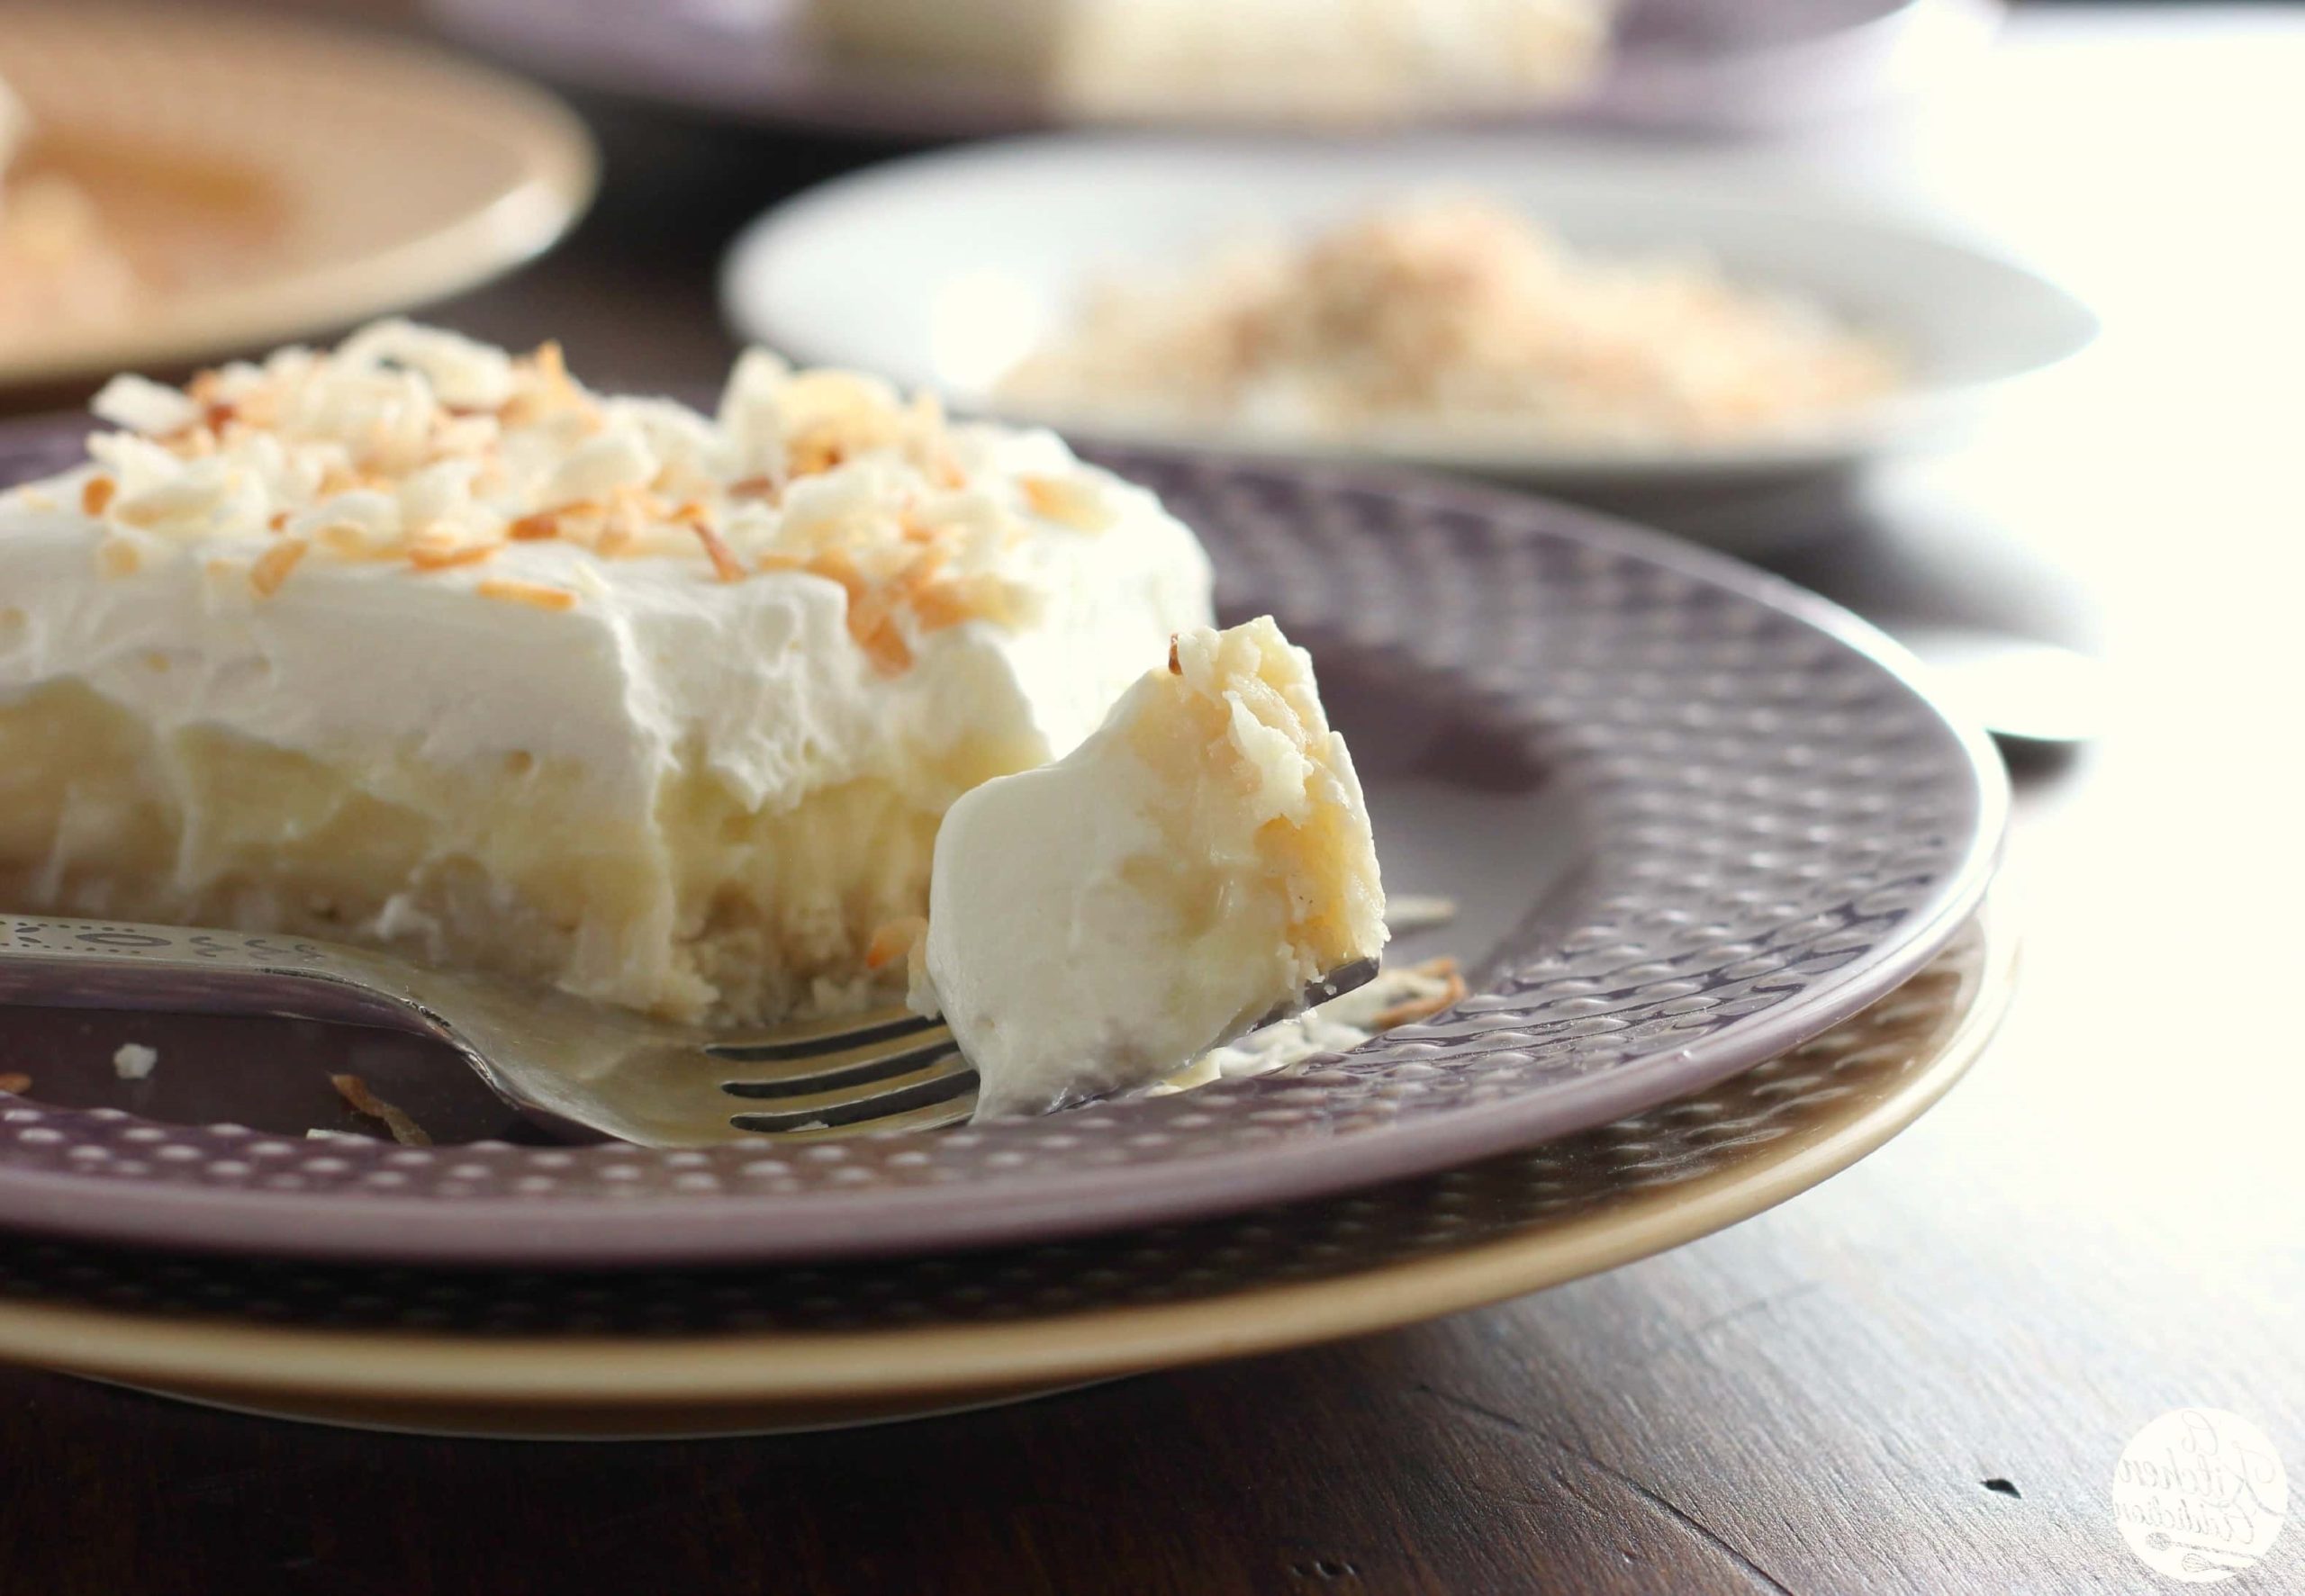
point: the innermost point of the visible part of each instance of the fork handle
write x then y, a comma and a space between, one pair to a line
58, 963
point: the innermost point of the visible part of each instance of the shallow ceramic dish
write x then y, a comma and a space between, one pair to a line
946, 269
1692, 815
269, 180
1688, 64
727, 1352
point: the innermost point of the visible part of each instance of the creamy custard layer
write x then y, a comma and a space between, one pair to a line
712, 910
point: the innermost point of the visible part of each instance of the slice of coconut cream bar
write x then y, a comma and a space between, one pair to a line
1189, 870
415, 643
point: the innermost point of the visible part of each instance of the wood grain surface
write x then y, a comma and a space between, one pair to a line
1916, 1378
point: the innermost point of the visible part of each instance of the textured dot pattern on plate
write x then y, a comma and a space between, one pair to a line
1582, 1180
1775, 829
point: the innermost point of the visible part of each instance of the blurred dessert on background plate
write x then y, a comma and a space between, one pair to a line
1280, 61
1457, 313
57, 261
187, 183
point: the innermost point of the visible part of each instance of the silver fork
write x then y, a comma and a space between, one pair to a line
564, 1062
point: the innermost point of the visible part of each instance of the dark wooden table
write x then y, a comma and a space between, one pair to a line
1918, 1378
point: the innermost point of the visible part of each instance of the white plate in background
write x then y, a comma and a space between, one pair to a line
942, 270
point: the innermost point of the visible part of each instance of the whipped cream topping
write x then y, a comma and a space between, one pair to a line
429, 451
1100, 922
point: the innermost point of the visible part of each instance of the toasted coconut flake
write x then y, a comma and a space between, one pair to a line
535, 594
272, 566
1418, 1008
614, 531
885, 646
435, 556
1067, 501
541, 527
368, 1106
837, 565
868, 612
755, 487
940, 605
96, 493
349, 540
989, 598
119, 557
814, 451
15, 1081
642, 508
894, 941
1176, 665
725, 565
920, 573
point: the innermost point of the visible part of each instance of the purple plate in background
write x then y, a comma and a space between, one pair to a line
1692, 65
1692, 817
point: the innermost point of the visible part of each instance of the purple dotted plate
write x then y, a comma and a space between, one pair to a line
1695, 64
1692, 817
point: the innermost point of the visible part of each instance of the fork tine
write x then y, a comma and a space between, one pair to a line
845, 1072
929, 1116
854, 1031
946, 1077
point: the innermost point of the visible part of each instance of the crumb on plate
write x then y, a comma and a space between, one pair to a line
366, 1103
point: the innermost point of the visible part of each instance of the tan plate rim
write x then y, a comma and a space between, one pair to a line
224, 1357
560, 169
